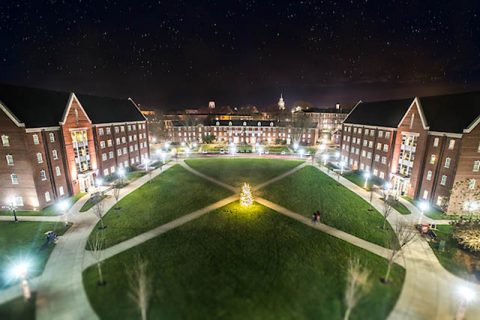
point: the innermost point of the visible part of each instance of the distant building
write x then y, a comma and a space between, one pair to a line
53, 144
281, 103
427, 147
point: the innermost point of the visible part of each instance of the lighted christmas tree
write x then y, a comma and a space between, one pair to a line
246, 197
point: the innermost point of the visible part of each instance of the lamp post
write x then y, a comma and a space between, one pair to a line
12, 207
342, 167
121, 174
466, 296
325, 159
423, 206
20, 271
366, 175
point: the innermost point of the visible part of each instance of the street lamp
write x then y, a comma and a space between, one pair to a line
325, 159
295, 146
466, 295
11, 205
194, 145
121, 174
63, 206
187, 151
423, 207
342, 166
20, 271
366, 175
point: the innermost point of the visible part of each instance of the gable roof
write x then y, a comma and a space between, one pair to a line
110, 110
451, 113
386, 113
36, 108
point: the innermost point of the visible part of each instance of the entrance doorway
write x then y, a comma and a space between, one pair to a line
85, 182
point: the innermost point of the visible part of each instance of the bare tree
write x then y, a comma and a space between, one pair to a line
98, 211
140, 285
403, 235
358, 285
96, 247
387, 210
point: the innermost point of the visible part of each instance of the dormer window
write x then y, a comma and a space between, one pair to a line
217, 123
271, 124
230, 123
244, 123
259, 124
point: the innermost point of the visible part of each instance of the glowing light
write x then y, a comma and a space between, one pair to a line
466, 294
295, 146
423, 206
63, 205
366, 175
246, 198
121, 172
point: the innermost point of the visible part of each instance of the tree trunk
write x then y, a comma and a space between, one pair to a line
100, 273
347, 314
388, 270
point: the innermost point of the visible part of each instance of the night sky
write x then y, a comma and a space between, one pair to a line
176, 54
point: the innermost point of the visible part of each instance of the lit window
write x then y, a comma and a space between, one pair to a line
429, 175
43, 175
57, 171
387, 134
472, 183
9, 159
425, 195
102, 144
432, 159
476, 166
19, 201
443, 181
54, 154
61, 191
380, 134
5, 141
35, 139
439, 201
39, 158
52, 137
447, 162
108, 130
435, 142
451, 144
14, 178
47, 197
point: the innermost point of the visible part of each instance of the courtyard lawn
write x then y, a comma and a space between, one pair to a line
47, 211
459, 262
358, 178
432, 212
309, 190
25, 241
243, 263
18, 309
236, 171
90, 203
168, 196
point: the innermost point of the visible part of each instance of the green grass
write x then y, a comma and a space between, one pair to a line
91, 202
243, 263
168, 196
278, 149
309, 190
397, 205
51, 210
452, 258
239, 170
358, 178
432, 212
25, 241
18, 309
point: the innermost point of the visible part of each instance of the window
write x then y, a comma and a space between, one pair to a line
379, 146
47, 196
354, 130
380, 134
412, 119
104, 156
43, 175
110, 155
425, 195
117, 141
100, 131
19, 201
112, 169
387, 134
5, 141
102, 144
61, 191
384, 160
14, 178
129, 128
364, 153
375, 172
124, 140
443, 181
365, 142
108, 130
370, 144
39, 157
439, 201
105, 172
122, 128
478, 149
432, 159
372, 133
52, 137
119, 152
435, 142
58, 172
366, 132
476, 166
429, 175
134, 127
116, 130
382, 175
377, 158
54, 155
385, 147
447, 162
472, 183
9, 159
35, 139
109, 142
369, 155
451, 144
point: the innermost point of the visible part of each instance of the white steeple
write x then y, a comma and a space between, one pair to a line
281, 103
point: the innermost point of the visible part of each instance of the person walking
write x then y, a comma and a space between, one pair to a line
314, 217
318, 216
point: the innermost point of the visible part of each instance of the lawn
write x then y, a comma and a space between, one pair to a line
18, 309
309, 190
168, 196
239, 170
358, 178
243, 263
92, 202
397, 205
432, 212
454, 259
47, 211
25, 241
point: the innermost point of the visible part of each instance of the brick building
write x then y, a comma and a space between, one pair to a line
243, 131
427, 147
53, 144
